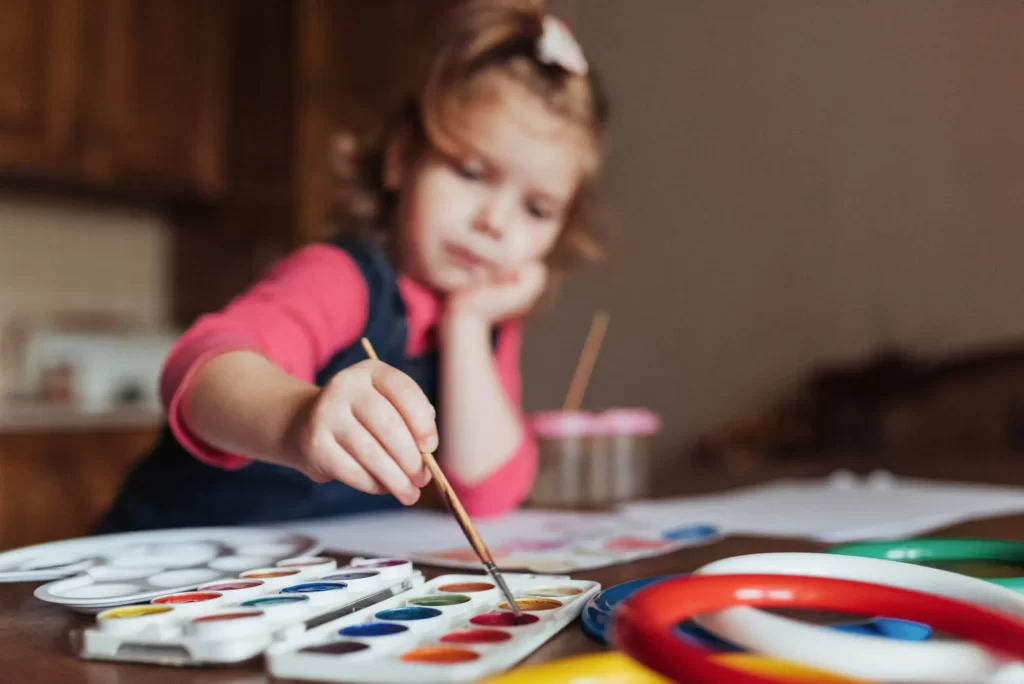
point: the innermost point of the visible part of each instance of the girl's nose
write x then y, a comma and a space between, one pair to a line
492, 219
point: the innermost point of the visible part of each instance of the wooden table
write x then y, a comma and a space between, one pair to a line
34, 636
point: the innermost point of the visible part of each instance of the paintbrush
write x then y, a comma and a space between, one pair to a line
585, 364
461, 517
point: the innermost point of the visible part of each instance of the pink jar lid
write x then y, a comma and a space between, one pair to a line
559, 424
627, 421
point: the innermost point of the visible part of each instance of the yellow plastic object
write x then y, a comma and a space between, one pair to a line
596, 668
783, 669
616, 668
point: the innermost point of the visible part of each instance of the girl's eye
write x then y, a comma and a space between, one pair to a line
538, 211
470, 170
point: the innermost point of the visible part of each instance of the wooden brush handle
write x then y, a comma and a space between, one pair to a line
456, 506
447, 492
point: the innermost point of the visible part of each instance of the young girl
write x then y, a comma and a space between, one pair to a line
450, 230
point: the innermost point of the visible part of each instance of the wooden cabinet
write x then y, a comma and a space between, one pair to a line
41, 48
354, 61
157, 113
128, 94
56, 485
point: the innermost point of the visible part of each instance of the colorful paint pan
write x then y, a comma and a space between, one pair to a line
380, 563
133, 618
476, 591
373, 629
279, 607
353, 576
440, 655
408, 614
453, 602
417, 618
132, 612
314, 587
384, 634
476, 636
190, 602
236, 590
337, 648
357, 580
389, 568
504, 619
318, 592
273, 578
532, 605
466, 587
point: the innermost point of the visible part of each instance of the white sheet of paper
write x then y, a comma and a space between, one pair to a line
840, 508
837, 509
540, 541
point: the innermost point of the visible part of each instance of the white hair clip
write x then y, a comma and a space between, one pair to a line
558, 46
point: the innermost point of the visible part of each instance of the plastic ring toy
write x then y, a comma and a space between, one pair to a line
597, 615
850, 654
643, 625
947, 553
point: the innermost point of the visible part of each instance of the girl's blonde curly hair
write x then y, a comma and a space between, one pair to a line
479, 36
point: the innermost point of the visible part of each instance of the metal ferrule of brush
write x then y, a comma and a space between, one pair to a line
509, 598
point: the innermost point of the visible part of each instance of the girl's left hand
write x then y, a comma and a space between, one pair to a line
510, 295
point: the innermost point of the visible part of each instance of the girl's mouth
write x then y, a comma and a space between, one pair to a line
466, 257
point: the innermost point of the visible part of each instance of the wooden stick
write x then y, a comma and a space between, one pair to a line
455, 506
585, 364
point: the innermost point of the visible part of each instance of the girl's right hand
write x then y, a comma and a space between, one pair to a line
367, 428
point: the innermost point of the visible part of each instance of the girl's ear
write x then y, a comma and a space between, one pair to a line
396, 159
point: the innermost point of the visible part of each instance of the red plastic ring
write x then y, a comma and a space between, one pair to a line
642, 625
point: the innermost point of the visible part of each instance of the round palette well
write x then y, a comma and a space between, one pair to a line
117, 570
596, 618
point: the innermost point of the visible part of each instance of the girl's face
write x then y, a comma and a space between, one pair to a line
465, 220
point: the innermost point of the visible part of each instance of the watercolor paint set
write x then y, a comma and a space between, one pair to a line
93, 574
452, 629
232, 620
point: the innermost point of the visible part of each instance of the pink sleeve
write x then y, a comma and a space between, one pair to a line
509, 485
308, 306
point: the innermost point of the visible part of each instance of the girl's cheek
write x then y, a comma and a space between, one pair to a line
541, 243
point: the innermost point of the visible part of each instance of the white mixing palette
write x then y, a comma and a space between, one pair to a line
230, 621
95, 573
453, 629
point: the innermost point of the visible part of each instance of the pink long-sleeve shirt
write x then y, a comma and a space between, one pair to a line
309, 306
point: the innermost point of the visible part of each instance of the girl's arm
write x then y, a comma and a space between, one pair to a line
238, 386
232, 378
487, 451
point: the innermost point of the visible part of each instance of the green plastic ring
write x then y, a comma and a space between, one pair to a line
945, 549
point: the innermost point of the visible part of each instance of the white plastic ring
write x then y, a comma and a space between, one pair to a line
857, 655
